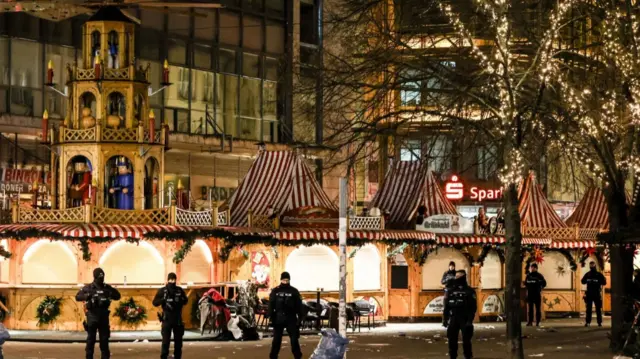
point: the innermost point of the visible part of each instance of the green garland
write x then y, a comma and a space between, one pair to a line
130, 312
48, 310
485, 252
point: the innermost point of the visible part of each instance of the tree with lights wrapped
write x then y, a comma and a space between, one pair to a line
593, 86
462, 69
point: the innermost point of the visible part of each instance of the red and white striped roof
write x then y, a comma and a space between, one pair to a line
572, 244
280, 179
591, 212
330, 234
486, 239
137, 231
535, 210
406, 186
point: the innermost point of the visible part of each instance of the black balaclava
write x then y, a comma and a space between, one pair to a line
592, 266
171, 276
98, 276
283, 276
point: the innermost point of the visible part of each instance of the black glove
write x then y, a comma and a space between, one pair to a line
445, 324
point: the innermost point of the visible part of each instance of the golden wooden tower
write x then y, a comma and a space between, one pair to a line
108, 122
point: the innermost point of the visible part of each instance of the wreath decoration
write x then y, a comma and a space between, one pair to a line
3, 314
485, 252
130, 312
48, 310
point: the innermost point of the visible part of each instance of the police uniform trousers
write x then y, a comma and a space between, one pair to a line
590, 300
294, 335
534, 302
178, 333
98, 325
456, 326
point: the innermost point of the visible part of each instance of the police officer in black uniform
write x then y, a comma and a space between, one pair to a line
97, 296
460, 307
447, 280
172, 298
285, 311
594, 281
535, 283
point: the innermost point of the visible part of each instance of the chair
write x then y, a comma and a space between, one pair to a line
262, 315
362, 308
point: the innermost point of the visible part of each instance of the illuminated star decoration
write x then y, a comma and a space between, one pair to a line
538, 255
589, 252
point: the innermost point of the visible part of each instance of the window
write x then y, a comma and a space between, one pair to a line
179, 24
275, 37
227, 60
178, 94
177, 119
250, 109
271, 69
308, 24
152, 19
4, 63
411, 151
251, 65
201, 102
487, 161
26, 78
253, 34
439, 154
253, 5
435, 85
177, 52
205, 27
275, 7
60, 58
155, 75
410, 88
24, 26
227, 102
229, 28
269, 111
202, 57
149, 48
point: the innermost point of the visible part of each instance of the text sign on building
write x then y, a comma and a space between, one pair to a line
14, 180
455, 190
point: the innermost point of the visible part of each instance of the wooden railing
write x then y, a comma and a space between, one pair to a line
129, 73
99, 133
354, 223
100, 215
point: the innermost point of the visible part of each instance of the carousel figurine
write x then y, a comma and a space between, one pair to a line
483, 221
123, 186
80, 184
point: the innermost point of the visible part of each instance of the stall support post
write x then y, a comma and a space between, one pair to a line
319, 308
342, 236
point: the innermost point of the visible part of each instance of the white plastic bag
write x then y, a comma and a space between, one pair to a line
331, 346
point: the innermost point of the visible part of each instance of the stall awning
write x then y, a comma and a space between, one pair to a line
408, 185
569, 244
591, 212
332, 234
486, 239
535, 210
137, 231
280, 179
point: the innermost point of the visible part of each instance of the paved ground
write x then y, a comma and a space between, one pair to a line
563, 339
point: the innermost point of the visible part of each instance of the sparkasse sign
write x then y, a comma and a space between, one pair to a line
455, 190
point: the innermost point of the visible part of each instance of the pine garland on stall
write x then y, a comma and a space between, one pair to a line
130, 312
48, 310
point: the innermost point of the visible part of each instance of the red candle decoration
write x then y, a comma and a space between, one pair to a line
45, 126
165, 72
97, 67
152, 126
50, 73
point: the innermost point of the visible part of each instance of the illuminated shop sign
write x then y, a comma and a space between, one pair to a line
455, 190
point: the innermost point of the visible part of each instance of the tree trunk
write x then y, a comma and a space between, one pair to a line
621, 260
514, 273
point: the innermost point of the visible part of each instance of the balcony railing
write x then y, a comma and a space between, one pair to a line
126, 73
100, 134
100, 215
